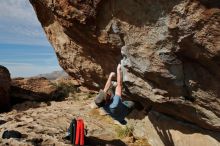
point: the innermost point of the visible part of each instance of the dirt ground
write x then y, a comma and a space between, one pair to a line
46, 124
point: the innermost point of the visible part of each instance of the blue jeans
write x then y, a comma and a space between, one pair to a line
118, 109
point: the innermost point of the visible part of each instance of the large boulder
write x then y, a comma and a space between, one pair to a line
5, 83
170, 50
33, 89
161, 130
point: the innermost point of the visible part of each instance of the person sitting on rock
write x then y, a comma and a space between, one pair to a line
112, 102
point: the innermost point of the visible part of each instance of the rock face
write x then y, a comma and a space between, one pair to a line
161, 130
5, 83
170, 50
34, 89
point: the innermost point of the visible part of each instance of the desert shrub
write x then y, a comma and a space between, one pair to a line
125, 131
88, 96
64, 89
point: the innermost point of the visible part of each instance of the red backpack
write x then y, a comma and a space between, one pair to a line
79, 139
76, 132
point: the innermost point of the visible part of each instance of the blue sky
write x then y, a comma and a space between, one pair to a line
24, 48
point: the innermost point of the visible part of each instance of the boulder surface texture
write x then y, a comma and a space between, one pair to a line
169, 50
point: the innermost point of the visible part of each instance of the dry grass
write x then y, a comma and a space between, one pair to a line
141, 142
123, 132
95, 113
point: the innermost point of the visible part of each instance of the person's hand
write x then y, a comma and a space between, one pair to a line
119, 68
112, 74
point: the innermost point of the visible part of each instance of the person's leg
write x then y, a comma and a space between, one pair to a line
109, 81
118, 92
116, 107
127, 106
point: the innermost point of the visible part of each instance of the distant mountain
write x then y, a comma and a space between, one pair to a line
54, 75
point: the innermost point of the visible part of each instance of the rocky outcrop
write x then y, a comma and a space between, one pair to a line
169, 50
161, 130
33, 89
5, 83
175, 69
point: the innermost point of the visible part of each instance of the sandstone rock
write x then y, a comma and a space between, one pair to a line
35, 89
68, 80
161, 130
169, 50
5, 83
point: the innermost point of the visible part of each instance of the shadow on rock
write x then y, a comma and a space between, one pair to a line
18, 95
30, 104
2, 122
211, 4
164, 125
94, 141
36, 141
